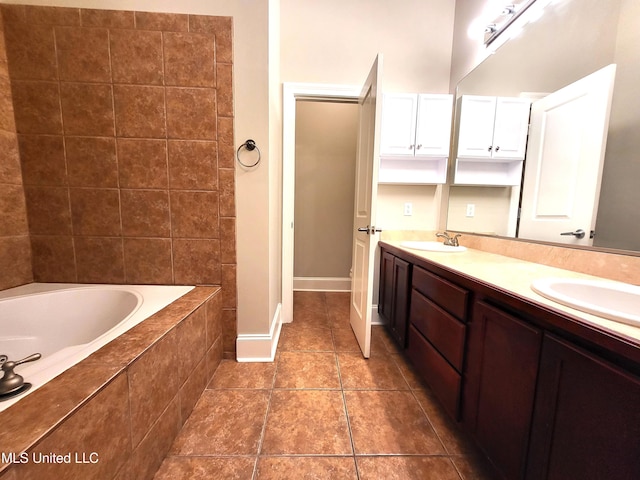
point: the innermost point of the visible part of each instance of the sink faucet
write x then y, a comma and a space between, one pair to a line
451, 241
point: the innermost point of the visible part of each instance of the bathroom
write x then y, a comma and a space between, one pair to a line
244, 245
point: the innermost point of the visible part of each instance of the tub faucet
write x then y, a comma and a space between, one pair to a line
11, 383
448, 240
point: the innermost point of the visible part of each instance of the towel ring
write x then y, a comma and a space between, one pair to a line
249, 145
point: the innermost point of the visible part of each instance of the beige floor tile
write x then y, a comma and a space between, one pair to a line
345, 340
296, 468
306, 422
224, 422
474, 467
410, 375
375, 373
390, 422
302, 338
309, 301
406, 468
307, 370
453, 439
232, 374
310, 318
206, 468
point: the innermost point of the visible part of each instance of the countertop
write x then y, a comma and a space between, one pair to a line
514, 276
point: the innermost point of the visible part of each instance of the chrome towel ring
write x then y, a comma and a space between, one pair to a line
249, 145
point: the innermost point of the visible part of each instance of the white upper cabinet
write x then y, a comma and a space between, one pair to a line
493, 127
416, 125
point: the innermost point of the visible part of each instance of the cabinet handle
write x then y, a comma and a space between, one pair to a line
419, 147
489, 149
497, 148
411, 147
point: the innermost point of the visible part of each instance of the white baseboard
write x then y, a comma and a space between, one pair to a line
376, 319
322, 284
260, 347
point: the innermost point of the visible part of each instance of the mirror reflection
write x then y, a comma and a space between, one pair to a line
584, 113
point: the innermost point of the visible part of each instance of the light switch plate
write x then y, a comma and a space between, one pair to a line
408, 209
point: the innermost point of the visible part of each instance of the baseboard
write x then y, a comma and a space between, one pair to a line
260, 347
376, 319
322, 284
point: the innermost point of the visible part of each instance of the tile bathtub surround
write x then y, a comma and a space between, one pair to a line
321, 411
127, 402
124, 126
15, 254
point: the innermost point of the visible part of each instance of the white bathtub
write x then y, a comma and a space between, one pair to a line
67, 322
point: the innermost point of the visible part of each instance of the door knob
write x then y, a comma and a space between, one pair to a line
364, 229
578, 233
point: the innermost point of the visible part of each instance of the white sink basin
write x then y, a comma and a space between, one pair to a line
432, 246
615, 301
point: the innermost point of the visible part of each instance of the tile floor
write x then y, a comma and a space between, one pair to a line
321, 411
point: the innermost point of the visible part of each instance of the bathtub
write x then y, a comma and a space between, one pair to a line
67, 322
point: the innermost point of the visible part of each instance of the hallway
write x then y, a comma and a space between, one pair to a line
320, 411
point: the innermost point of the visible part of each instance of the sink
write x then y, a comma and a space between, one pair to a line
432, 246
615, 301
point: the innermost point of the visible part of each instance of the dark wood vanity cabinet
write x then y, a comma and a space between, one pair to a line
393, 298
586, 421
544, 396
437, 332
502, 359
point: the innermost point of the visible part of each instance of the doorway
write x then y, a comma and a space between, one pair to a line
314, 99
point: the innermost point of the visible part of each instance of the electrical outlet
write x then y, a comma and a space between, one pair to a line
471, 209
408, 209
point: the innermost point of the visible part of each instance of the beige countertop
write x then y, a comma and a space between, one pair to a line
515, 276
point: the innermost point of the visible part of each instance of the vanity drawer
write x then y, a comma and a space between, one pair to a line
436, 371
446, 333
447, 295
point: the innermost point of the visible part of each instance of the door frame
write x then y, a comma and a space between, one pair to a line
291, 92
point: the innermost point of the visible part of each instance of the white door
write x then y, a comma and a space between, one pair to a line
399, 111
364, 237
433, 127
564, 162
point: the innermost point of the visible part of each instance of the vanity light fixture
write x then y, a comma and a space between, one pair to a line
504, 18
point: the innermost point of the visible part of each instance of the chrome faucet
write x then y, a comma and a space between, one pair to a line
448, 240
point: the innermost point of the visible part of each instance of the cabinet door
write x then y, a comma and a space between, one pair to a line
385, 296
433, 127
401, 282
586, 423
511, 128
477, 115
397, 135
502, 367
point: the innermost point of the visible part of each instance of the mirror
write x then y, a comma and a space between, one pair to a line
573, 39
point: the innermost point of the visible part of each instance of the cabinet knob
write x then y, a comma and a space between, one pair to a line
419, 146
411, 147
489, 149
497, 148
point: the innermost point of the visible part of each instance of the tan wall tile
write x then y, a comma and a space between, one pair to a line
193, 165
196, 262
99, 259
136, 57
222, 28
48, 210
226, 179
43, 160
13, 220
91, 161
191, 113
140, 111
224, 89
7, 116
87, 109
148, 261
107, 18
168, 22
191, 342
37, 107
152, 385
145, 213
194, 214
214, 318
13, 13
95, 211
142, 163
31, 51
10, 171
230, 331
52, 15
15, 261
189, 59
192, 389
228, 240
83, 54
229, 289
53, 258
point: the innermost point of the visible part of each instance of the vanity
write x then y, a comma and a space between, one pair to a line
546, 391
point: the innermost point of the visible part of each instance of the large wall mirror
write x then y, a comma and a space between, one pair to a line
572, 40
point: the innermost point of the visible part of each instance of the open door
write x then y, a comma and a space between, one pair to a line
565, 155
364, 237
